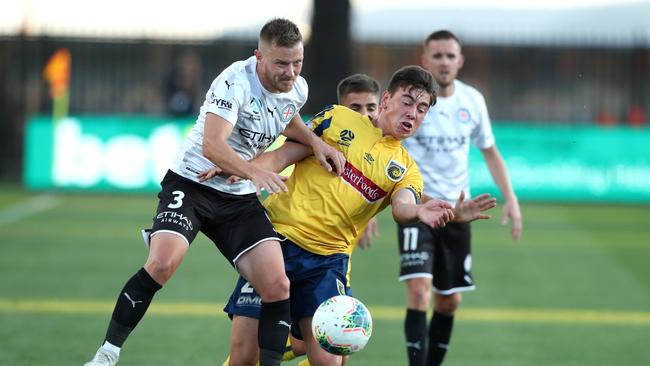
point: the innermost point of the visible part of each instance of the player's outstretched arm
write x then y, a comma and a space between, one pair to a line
434, 213
275, 161
287, 154
467, 211
329, 157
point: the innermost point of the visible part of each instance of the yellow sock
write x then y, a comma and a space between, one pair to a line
304, 362
289, 355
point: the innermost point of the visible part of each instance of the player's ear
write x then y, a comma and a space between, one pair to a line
258, 55
461, 61
384, 99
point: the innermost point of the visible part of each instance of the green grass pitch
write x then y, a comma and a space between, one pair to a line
574, 291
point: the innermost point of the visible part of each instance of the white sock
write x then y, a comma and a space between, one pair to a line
111, 347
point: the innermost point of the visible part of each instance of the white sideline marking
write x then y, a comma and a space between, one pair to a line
24, 209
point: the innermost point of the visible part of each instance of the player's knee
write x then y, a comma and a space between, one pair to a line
448, 304
160, 269
274, 289
419, 293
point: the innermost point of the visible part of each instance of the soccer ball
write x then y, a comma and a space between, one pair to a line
342, 325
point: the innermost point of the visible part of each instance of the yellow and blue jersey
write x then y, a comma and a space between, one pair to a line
325, 213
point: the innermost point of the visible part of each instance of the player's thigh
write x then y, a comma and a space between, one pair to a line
237, 225
452, 259
166, 250
314, 279
263, 267
416, 251
316, 355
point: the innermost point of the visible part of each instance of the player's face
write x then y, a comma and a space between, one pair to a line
404, 111
443, 59
364, 103
278, 67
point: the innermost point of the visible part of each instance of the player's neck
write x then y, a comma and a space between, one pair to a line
263, 80
447, 90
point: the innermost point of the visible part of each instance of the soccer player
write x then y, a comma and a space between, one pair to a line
322, 215
247, 106
441, 147
360, 93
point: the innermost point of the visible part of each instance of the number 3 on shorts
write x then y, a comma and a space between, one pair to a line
178, 199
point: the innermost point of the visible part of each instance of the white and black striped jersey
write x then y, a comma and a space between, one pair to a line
258, 116
440, 146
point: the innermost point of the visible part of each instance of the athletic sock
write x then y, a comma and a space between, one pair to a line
304, 362
111, 347
439, 335
288, 351
132, 303
415, 330
274, 326
288, 355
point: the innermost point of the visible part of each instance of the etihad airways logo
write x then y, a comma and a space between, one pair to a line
368, 189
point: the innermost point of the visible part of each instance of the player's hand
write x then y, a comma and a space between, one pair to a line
468, 211
270, 182
369, 233
209, 174
511, 211
330, 158
433, 214
435, 201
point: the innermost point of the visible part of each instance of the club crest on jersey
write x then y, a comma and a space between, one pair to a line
287, 112
463, 115
395, 171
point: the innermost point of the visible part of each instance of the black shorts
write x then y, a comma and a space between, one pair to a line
235, 223
443, 254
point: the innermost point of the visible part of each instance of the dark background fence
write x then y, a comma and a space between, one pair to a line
550, 84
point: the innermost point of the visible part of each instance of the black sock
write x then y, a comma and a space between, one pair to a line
132, 303
415, 330
439, 335
274, 326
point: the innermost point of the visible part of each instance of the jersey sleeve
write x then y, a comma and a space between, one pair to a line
412, 181
322, 121
482, 136
302, 91
225, 97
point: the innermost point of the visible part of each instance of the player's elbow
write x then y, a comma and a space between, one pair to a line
208, 151
401, 217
